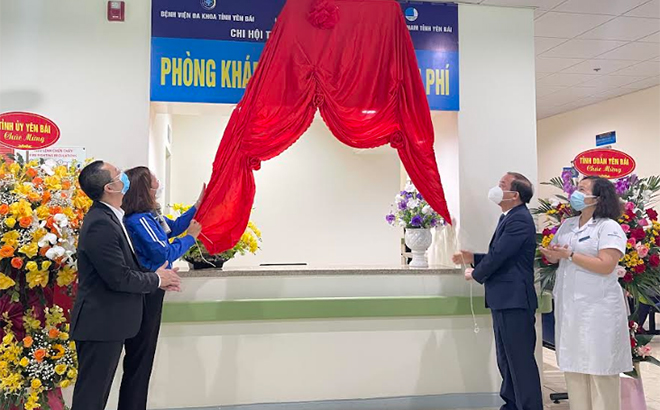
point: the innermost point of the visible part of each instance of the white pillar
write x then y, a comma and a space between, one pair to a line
497, 120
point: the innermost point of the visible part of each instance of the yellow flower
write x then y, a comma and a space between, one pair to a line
64, 336
31, 322
66, 276
24, 362
21, 209
254, 228
60, 171
6, 282
11, 238
43, 212
37, 277
69, 213
72, 374
36, 384
65, 383
53, 183
8, 338
22, 189
82, 202
10, 222
14, 168
60, 369
30, 250
12, 383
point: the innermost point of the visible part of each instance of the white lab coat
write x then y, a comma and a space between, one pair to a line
591, 321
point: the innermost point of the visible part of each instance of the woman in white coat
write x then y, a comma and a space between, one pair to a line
591, 335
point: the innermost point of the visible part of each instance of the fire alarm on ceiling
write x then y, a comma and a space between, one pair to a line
115, 11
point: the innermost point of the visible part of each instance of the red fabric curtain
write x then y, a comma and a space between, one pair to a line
354, 61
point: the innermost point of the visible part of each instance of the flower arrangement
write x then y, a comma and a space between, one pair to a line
41, 210
639, 269
36, 365
411, 211
641, 351
199, 256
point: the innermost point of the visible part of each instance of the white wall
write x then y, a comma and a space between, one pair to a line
497, 121
62, 59
635, 118
158, 146
320, 202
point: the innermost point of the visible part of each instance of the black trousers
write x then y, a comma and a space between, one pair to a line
515, 338
97, 364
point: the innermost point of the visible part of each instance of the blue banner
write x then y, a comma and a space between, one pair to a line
206, 51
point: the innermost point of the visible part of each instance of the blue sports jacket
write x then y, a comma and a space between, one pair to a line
152, 245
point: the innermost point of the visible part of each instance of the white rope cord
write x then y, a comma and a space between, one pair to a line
457, 245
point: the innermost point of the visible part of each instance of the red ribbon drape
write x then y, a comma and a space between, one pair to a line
355, 64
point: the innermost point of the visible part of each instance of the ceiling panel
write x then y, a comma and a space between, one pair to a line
566, 80
543, 4
589, 51
612, 93
610, 7
646, 68
567, 96
552, 65
545, 90
643, 84
611, 81
543, 44
633, 51
653, 38
603, 66
624, 28
541, 75
650, 9
567, 25
539, 12
583, 48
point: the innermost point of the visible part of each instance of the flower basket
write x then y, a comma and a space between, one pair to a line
41, 210
199, 258
54, 400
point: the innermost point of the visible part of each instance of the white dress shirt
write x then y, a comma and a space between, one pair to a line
119, 213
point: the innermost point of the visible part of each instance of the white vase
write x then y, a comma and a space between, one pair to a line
419, 241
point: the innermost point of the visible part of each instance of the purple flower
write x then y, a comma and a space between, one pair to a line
633, 179
569, 188
419, 196
403, 205
554, 230
390, 219
622, 186
566, 176
416, 221
434, 222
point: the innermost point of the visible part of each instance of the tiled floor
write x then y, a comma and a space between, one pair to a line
554, 380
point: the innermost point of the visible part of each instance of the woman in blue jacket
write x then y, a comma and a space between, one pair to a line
150, 235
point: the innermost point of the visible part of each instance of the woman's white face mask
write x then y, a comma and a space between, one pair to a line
158, 191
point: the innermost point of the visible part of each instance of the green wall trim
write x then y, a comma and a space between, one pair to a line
323, 308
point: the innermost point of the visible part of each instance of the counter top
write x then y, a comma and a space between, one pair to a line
269, 271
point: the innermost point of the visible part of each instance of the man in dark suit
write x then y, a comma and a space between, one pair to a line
507, 271
111, 287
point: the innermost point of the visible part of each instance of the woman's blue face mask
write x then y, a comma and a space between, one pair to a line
577, 201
